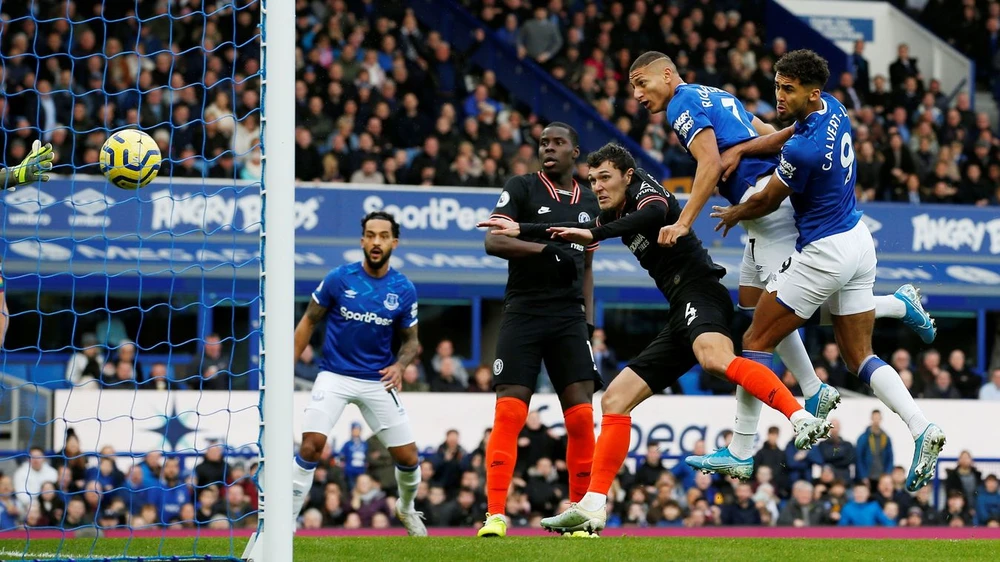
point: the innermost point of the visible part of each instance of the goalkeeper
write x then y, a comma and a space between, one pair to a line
35, 167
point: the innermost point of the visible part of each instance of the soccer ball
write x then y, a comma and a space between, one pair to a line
130, 159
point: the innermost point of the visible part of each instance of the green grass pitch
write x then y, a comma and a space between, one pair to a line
515, 549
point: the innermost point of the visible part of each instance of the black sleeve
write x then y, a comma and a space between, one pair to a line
652, 214
513, 196
540, 230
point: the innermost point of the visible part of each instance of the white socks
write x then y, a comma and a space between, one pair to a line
889, 388
407, 480
302, 481
747, 416
888, 306
794, 355
592, 501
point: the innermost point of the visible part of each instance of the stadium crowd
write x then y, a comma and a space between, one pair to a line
380, 99
840, 482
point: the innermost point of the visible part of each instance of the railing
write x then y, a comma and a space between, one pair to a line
25, 414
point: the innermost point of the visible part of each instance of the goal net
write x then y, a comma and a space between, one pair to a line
131, 411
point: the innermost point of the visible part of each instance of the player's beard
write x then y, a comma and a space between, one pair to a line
376, 265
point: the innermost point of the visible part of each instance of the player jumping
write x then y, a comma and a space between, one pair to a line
835, 255
709, 120
547, 314
634, 207
34, 167
370, 301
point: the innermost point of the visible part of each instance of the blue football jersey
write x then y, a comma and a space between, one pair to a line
695, 108
362, 314
818, 165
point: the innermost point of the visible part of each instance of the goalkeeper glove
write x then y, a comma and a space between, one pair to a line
564, 263
33, 168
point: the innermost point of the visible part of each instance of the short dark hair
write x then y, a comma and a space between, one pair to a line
574, 137
646, 58
381, 215
612, 152
805, 66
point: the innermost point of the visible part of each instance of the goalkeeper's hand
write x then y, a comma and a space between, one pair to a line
35, 166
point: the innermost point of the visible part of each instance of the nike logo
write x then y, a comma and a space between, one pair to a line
543, 210
557, 259
495, 464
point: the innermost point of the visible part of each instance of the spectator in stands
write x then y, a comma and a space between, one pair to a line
956, 511
73, 459
123, 365
835, 368
991, 390
482, 379
368, 499
209, 504
604, 357
354, 455
411, 380
930, 365
172, 493
801, 510
86, 363
742, 511
942, 387
965, 478
861, 512
836, 452
648, 473
903, 68
771, 456
213, 467
988, 501
446, 380
158, 379
448, 461
874, 451
29, 477
76, 514
965, 381
539, 38
10, 507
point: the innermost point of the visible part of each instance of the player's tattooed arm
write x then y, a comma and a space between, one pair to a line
757, 205
409, 347
392, 376
764, 145
304, 330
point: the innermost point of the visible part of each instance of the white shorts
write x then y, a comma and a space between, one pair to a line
771, 240
381, 409
838, 269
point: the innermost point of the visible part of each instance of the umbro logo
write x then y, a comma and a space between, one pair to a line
350, 293
543, 210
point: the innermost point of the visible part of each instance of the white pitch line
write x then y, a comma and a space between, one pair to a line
21, 555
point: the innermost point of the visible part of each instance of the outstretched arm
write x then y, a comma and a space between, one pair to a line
757, 205
507, 247
34, 167
304, 330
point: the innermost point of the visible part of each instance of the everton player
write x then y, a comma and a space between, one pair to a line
707, 121
634, 207
364, 305
547, 315
835, 258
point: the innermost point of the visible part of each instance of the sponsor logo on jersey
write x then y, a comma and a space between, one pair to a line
785, 169
543, 210
683, 124
350, 294
690, 313
391, 301
497, 367
646, 189
504, 199
367, 317
583, 217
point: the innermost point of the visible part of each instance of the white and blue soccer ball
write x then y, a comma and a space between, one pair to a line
130, 159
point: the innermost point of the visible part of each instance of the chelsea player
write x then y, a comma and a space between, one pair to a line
367, 303
835, 255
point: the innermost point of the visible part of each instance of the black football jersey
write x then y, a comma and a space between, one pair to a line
531, 282
669, 267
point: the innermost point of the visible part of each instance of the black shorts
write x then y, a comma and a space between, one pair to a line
700, 307
526, 340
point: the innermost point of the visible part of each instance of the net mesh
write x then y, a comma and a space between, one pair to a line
128, 401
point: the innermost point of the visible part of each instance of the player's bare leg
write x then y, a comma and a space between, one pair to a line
501, 454
407, 480
625, 392
853, 333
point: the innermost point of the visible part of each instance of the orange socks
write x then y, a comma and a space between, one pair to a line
501, 451
612, 448
760, 381
579, 448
